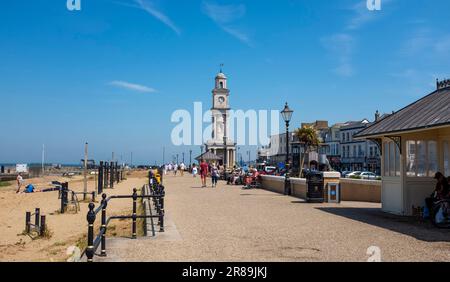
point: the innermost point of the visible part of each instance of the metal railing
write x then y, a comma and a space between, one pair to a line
64, 193
100, 240
39, 225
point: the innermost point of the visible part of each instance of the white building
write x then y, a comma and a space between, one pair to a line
220, 144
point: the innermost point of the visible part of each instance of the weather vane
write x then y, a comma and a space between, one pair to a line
221, 66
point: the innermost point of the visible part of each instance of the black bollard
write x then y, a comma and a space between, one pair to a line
117, 173
162, 199
103, 227
93, 196
42, 227
90, 238
27, 222
64, 196
161, 221
111, 177
37, 217
105, 183
134, 212
100, 178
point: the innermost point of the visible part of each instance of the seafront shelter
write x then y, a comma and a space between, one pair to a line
415, 144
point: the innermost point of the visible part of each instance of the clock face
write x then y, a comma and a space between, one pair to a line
221, 100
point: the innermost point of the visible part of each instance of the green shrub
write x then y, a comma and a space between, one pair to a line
5, 183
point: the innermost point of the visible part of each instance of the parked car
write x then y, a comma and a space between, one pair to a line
270, 170
345, 173
353, 174
368, 175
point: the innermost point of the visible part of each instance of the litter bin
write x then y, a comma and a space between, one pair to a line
315, 187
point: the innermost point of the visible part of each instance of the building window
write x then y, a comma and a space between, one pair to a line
446, 158
411, 158
348, 137
432, 158
386, 159
391, 161
397, 161
392, 146
422, 160
221, 85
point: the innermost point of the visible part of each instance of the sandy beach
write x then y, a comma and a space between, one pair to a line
65, 229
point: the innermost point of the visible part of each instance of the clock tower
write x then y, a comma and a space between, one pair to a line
220, 144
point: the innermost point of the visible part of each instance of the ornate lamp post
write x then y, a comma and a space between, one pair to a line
286, 113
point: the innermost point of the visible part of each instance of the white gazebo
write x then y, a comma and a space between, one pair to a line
415, 144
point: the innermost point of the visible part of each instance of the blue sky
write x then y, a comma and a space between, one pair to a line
113, 73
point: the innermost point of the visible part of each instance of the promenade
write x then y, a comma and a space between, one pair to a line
230, 224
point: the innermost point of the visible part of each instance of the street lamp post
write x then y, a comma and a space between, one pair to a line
286, 113
190, 160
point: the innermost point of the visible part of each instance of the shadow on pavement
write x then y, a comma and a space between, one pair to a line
263, 195
424, 231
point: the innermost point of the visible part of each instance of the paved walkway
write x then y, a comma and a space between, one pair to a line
231, 224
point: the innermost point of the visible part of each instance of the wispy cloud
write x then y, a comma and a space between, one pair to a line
150, 8
132, 86
341, 46
224, 16
363, 16
427, 42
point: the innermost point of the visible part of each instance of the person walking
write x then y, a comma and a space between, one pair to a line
175, 169
214, 175
19, 182
203, 172
194, 170
182, 168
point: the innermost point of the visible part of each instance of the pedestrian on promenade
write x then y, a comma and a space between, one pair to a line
19, 182
203, 172
194, 170
182, 168
214, 175
175, 169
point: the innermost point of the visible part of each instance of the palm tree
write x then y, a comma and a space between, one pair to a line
307, 136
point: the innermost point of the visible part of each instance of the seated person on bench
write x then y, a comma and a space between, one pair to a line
441, 192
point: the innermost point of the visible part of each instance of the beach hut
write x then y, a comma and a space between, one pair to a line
415, 144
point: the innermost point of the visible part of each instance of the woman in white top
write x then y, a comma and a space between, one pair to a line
19, 182
194, 171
